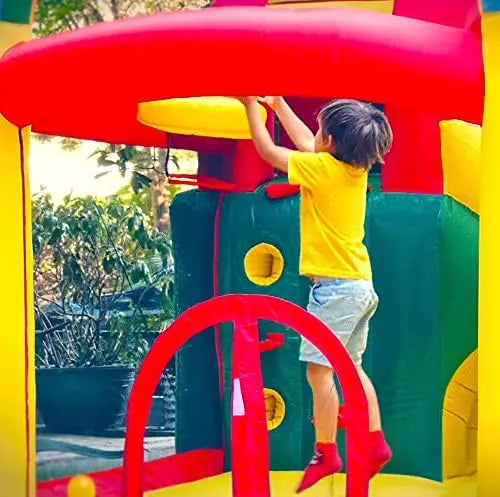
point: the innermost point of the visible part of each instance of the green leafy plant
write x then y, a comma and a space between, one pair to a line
57, 16
102, 281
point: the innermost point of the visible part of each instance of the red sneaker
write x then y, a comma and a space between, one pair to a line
381, 452
325, 462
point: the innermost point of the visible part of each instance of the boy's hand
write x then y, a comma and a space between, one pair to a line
247, 100
271, 101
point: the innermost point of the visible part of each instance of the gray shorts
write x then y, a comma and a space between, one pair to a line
346, 307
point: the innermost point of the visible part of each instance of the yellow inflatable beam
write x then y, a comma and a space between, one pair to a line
212, 117
283, 484
461, 154
17, 368
460, 421
384, 6
489, 266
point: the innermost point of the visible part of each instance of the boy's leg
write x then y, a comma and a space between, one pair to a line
330, 308
371, 395
325, 402
326, 460
381, 452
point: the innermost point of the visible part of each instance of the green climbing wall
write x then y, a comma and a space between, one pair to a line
248, 220
198, 417
403, 355
424, 256
459, 264
16, 11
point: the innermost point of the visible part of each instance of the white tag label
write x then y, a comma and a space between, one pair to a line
238, 405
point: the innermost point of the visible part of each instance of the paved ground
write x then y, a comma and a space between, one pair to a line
58, 463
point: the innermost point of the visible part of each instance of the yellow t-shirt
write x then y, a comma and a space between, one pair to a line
332, 216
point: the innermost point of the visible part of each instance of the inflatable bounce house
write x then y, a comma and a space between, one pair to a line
244, 407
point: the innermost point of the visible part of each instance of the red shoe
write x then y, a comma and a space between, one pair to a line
325, 462
381, 452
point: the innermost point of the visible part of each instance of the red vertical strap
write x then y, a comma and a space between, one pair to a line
250, 438
215, 277
216, 290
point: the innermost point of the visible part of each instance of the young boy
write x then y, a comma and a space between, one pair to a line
331, 168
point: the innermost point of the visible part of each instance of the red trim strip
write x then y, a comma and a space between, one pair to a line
249, 435
215, 275
26, 315
205, 182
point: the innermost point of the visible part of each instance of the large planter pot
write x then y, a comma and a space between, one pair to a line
86, 401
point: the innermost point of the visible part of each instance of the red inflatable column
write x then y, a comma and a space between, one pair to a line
250, 439
414, 164
249, 170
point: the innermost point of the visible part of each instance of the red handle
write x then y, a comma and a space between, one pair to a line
273, 341
281, 190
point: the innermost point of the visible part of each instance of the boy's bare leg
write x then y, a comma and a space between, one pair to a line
371, 395
326, 460
381, 452
325, 402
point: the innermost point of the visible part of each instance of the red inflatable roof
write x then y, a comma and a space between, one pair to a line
87, 83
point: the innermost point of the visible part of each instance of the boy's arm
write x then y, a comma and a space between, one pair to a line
299, 133
266, 148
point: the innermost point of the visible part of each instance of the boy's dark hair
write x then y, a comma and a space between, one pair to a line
361, 133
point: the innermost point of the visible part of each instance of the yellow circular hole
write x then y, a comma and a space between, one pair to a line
275, 408
264, 264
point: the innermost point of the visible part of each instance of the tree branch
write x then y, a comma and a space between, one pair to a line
95, 12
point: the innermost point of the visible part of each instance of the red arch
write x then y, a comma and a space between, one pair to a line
244, 310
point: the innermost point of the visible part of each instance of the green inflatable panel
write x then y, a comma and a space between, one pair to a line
247, 221
403, 355
16, 11
459, 284
198, 409
424, 256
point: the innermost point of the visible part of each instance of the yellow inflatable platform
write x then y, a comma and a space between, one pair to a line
283, 485
211, 117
